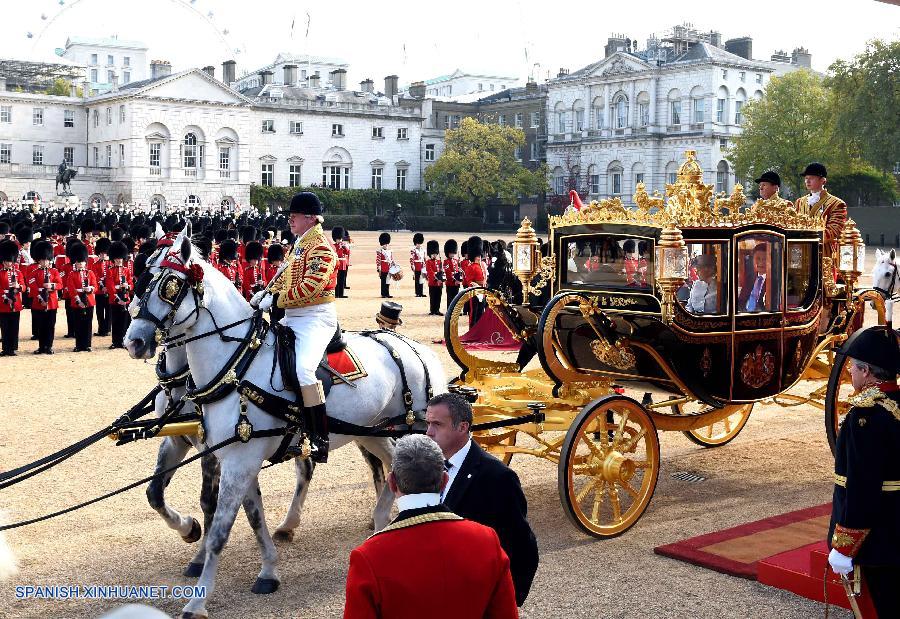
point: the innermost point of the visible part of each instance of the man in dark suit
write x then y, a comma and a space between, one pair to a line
428, 562
483, 489
752, 297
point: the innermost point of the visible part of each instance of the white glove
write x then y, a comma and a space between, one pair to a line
840, 563
267, 301
257, 298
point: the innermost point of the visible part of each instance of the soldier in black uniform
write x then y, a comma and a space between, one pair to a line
865, 512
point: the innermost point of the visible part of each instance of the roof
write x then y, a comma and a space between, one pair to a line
302, 58
292, 94
458, 73
705, 51
106, 42
139, 86
515, 94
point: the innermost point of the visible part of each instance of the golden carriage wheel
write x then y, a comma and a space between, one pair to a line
721, 432
837, 398
608, 466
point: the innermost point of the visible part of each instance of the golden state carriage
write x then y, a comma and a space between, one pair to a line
690, 298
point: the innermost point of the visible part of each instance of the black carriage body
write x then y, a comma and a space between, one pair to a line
738, 350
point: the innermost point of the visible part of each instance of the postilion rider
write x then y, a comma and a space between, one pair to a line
305, 290
865, 512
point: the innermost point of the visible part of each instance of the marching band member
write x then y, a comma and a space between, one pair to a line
384, 260
253, 278
44, 284
228, 265
120, 286
81, 284
100, 269
342, 249
417, 263
453, 274
11, 285
434, 273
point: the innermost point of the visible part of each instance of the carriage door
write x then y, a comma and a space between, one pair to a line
758, 290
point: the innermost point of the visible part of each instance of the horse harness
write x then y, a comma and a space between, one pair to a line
889, 294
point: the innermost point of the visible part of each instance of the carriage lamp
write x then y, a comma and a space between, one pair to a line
526, 255
851, 253
671, 267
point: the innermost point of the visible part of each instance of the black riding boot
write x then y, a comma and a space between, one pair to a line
317, 423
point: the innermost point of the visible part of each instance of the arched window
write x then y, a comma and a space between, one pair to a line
593, 180
574, 178
578, 110
190, 152
98, 200
193, 200
3, 198
227, 203
157, 202
599, 108
614, 174
560, 111
675, 117
698, 106
637, 174
671, 172
559, 181
31, 196
740, 98
722, 105
722, 176
643, 102
620, 105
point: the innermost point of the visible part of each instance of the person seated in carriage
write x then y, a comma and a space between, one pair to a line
704, 291
635, 267
760, 290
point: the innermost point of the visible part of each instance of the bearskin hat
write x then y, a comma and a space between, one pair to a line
248, 233
9, 251
220, 235
464, 249
418, 238
78, 252
147, 247
4, 227
117, 251
384, 238
24, 234
63, 228
231, 233
475, 248
101, 246
41, 250
253, 251
337, 233
275, 253
140, 265
87, 225
450, 246
116, 234
228, 250
432, 247
141, 232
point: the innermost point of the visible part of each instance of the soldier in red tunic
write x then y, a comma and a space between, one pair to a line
253, 277
120, 284
348, 242
453, 274
342, 249
11, 285
44, 284
417, 263
434, 273
81, 284
228, 265
274, 259
100, 268
384, 260
475, 274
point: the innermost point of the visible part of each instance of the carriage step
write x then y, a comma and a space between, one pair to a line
688, 476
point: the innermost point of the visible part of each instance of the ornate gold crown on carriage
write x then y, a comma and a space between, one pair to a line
702, 304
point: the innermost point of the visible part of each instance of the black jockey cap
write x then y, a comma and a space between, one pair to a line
102, 245
118, 251
450, 246
337, 233
432, 247
78, 252
390, 313
815, 169
769, 177
275, 252
876, 346
228, 250
384, 238
418, 238
253, 251
41, 250
9, 251
306, 203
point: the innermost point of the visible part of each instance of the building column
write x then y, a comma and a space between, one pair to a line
652, 123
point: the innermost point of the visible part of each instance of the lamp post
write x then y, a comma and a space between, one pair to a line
671, 267
526, 255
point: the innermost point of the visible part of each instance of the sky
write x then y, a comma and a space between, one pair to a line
419, 40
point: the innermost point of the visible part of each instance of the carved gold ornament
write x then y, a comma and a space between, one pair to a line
170, 290
616, 355
244, 430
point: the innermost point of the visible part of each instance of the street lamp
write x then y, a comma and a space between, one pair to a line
526, 255
671, 267
851, 254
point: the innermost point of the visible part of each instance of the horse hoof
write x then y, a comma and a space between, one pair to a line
283, 536
263, 586
195, 534
371, 524
193, 570
193, 616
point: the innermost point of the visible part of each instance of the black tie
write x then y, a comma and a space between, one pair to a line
447, 465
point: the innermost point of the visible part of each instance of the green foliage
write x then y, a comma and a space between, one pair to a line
479, 164
868, 114
346, 201
61, 88
348, 222
863, 185
419, 223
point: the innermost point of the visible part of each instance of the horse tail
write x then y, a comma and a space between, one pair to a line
8, 567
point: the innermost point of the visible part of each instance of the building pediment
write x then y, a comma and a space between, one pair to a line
377, 163
618, 65
194, 85
226, 141
156, 136
402, 164
268, 159
295, 159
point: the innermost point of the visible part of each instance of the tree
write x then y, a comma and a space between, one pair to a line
868, 117
863, 185
789, 127
479, 164
60, 88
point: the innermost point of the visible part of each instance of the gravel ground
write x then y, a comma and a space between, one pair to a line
781, 462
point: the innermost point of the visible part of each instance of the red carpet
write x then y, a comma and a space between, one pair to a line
489, 333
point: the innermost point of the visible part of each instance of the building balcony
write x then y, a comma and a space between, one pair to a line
27, 170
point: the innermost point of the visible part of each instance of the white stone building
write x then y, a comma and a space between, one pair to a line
461, 83
306, 67
108, 60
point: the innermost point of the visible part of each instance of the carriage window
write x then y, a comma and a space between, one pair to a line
705, 291
802, 274
758, 273
609, 260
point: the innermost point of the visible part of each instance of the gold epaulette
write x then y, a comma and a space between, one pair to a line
420, 519
873, 396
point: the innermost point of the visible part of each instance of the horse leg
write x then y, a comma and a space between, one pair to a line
238, 476
268, 580
383, 449
171, 452
209, 494
304, 468
377, 469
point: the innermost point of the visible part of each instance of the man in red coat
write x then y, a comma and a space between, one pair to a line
434, 272
120, 286
44, 285
81, 284
428, 562
11, 285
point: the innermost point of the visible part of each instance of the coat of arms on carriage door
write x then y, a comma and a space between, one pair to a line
757, 367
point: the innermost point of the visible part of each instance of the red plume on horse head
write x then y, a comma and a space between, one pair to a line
575, 200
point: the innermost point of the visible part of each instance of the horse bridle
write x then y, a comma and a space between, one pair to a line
889, 293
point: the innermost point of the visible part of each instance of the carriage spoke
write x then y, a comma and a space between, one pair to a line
632, 443
621, 428
598, 500
614, 501
626, 485
586, 490
642, 464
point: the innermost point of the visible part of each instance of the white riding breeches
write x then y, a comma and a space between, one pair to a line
313, 326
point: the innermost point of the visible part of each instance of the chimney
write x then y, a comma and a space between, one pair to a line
2, 83
367, 85
85, 89
531, 88
390, 86
290, 75
616, 44
228, 71
801, 57
210, 70
742, 47
314, 80
160, 68
266, 77
562, 72
339, 79
417, 89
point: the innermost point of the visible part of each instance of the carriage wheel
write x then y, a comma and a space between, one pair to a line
837, 398
721, 432
608, 466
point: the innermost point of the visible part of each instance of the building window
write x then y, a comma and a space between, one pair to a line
621, 113
594, 183
743, 76
724, 74
37, 116
110, 61
193, 155
534, 151
699, 110
126, 77
644, 113
110, 75
457, 118
93, 58
268, 126
579, 120
121, 113
336, 177
617, 183
535, 120
723, 143
448, 121
193, 200
501, 120
376, 178
109, 155
69, 155
559, 185
518, 153
96, 156
126, 61
738, 116
520, 118
37, 155
759, 78
109, 116
268, 175
401, 133
721, 177
672, 178
68, 118
720, 110
638, 178
296, 127
377, 132
561, 121
294, 174
429, 152
401, 179
155, 151
5, 153
94, 76
337, 130
676, 113
224, 162
121, 155
5, 113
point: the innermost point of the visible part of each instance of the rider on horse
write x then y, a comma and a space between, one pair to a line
305, 289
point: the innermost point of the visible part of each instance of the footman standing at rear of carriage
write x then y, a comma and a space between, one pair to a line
830, 208
865, 512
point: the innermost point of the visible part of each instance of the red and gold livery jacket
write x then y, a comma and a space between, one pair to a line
254, 279
100, 269
433, 266
119, 284
77, 281
417, 259
342, 249
833, 211
311, 274
865, 511
232, 270
12, 283
44, 298
384, 258
453, 273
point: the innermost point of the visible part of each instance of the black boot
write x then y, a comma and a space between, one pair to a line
317, 424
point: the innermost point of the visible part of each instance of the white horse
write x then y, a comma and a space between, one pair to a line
215, 321
886, 274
